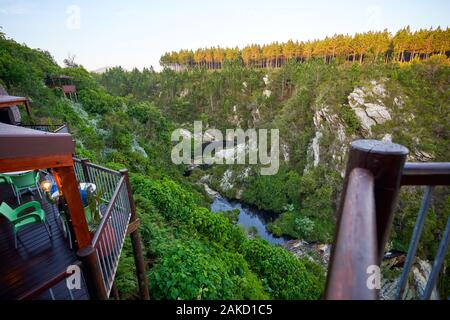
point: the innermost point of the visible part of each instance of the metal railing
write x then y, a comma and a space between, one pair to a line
107, 242
105, 180
429, 175
375, 172
54, 128
109, 237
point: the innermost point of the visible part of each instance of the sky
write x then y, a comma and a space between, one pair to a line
136, 33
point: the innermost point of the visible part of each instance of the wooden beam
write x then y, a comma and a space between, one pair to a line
92, 273
136, 243
133, 226
71, 193
34, 163
9, 101
28, 108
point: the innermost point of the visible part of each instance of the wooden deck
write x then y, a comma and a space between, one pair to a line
37, 259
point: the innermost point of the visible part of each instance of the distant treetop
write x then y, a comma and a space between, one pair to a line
370, 46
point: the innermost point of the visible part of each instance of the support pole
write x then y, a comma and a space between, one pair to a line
92, 273
115, 292
28, 108
438, 261
385, 160
347, 280
84, 163
137, 244
420, 222
72, 197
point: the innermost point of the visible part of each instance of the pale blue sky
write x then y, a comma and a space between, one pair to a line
136, 33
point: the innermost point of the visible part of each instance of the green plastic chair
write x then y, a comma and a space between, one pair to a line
20, 222
7, 179
88, 215
25, 181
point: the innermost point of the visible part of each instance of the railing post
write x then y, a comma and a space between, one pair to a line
385, 160
92, 273
114, 291
355, 248
137, 244
84, 165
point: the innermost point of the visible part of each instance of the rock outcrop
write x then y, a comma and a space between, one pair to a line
225, 183
417, 280
369, 113
319, 253
325, 119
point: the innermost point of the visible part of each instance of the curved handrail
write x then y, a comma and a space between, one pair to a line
353, 258
33, 293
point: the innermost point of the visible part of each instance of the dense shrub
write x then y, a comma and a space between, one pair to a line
285, 274
192, 270
172, 201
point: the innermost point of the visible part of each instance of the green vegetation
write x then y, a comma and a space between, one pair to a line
120, 122
125, 119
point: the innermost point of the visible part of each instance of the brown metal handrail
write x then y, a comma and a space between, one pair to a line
352, 256
429, 174
110, 235
375, 172
36, 292
104, 169
385, 162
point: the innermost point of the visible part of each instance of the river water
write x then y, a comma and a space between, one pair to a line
249, 217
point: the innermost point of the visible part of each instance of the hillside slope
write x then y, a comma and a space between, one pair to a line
125, 119
191, 252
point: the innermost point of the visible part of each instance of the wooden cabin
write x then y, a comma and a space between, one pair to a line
41, 264
64, 83
9, 111
10, 114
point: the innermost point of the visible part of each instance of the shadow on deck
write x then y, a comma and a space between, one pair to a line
38, 258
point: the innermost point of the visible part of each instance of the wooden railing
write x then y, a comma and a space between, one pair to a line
49, 286
69, 88
54, 128
375, 172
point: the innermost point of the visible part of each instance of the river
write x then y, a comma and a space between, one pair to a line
249, 217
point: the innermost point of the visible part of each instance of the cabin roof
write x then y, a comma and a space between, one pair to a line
8, 101
19, 142
60, 76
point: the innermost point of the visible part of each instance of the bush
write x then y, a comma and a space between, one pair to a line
191, 270
285, 275
352, 124
274, 192
304, 226
172, 201
216, 228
